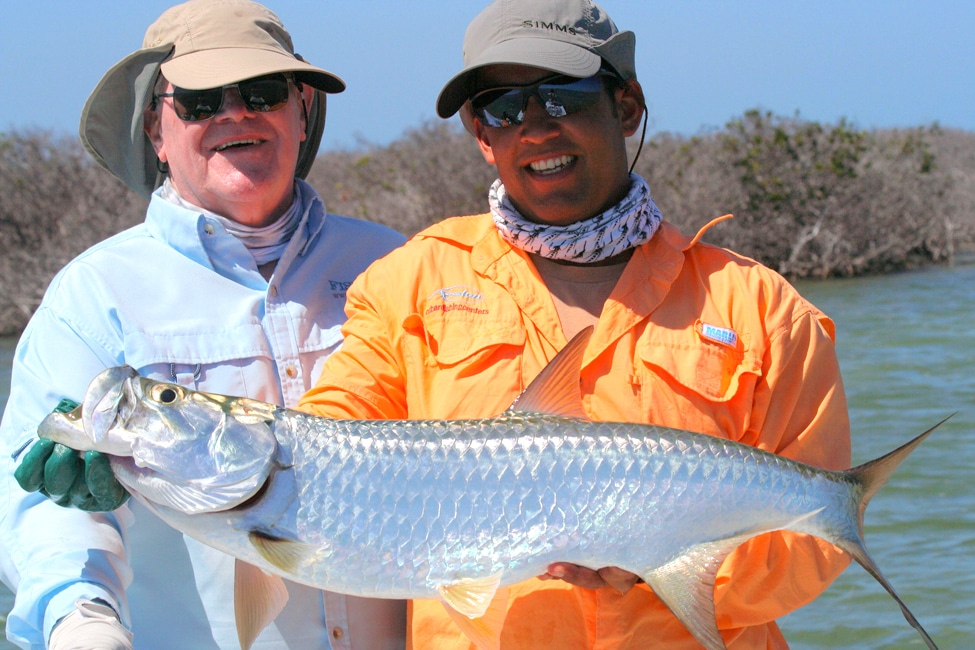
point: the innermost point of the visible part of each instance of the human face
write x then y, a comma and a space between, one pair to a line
560, 170
240, 163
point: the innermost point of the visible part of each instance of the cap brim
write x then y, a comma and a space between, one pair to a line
219, 67
550, 55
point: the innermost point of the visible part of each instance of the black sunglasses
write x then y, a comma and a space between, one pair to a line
260, 94
559, 95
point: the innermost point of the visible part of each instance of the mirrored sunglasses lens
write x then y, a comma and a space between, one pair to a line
506, 107
197, 105
500, 108
560, 100
262, 94
265, 94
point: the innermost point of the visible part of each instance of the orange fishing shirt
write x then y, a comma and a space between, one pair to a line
456, 323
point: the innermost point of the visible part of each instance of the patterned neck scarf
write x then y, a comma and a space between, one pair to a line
265, 243
626, 225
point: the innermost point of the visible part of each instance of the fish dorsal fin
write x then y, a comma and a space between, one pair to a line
258, 599
686, 583
478, 607
555, 391
285, 554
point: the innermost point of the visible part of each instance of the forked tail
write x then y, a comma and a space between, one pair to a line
871, 477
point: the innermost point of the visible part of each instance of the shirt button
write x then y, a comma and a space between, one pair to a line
338, 633
208, 228
292, 372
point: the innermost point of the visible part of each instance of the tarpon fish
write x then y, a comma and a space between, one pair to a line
457, 510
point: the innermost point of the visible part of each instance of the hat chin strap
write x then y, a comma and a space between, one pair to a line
643, 136
314, 127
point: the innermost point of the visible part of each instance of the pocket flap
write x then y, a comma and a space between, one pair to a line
709, 360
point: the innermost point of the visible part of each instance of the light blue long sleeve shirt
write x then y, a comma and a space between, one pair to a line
179, 299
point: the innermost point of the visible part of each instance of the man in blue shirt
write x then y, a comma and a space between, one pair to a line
224, 288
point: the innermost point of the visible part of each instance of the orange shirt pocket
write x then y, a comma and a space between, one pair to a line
700, 379
470, 344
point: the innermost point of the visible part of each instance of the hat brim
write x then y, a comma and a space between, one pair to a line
111, 127
222, 66
553, 56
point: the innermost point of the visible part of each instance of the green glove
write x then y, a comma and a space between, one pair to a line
67, 478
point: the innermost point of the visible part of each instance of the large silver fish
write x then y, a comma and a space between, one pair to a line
458, 510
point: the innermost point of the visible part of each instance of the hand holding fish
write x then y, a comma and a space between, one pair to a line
70, 479
619, 579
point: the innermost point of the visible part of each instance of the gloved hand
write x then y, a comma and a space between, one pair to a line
93, 626
70, 480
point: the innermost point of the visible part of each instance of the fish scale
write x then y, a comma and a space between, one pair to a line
458, 510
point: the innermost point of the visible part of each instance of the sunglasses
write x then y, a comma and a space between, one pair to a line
559, 95
260, 94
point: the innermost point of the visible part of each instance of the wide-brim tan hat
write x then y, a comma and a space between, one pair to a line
570, 37
198, 44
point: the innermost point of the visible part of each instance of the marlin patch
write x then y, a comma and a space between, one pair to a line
721, 335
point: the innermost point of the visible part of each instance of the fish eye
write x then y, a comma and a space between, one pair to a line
165, 394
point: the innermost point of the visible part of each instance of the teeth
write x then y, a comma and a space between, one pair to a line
552, 164
235, 143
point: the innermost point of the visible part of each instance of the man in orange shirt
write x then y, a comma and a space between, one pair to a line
456, 323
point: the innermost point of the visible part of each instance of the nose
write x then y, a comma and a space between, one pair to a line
536, 124
233, 105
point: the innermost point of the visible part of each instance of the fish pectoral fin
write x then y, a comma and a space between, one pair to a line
285, 554
483, 630
258, 599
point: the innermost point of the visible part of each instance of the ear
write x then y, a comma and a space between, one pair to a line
308, 96
153, 130
631, 105
483, 136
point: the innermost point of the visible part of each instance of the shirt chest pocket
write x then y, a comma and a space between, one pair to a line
231, 359
463, 349
698, 378
459, 323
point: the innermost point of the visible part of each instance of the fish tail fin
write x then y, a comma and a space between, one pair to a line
871, 477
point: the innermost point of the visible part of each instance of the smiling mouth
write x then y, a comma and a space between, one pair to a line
551, 165
236, 144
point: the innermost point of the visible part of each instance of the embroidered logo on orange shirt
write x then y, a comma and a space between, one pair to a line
456, 298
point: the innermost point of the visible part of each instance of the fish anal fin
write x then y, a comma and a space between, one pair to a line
555, 391
484, 631
686, 583
285, 554
258, 599
472, 597
686, 587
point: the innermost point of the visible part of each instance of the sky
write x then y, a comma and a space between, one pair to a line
876, 63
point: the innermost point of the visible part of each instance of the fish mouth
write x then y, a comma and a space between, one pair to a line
551, 165
104, 398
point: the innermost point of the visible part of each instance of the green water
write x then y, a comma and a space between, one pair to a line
907, 348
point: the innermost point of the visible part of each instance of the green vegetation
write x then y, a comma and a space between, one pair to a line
809, 199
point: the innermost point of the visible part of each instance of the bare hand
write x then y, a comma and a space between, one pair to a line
580, 576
